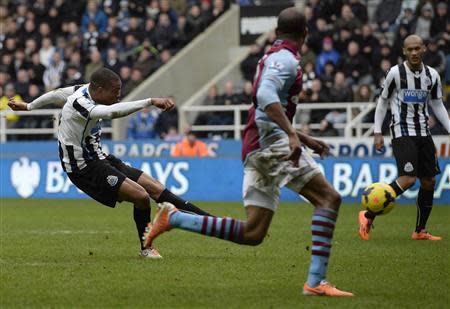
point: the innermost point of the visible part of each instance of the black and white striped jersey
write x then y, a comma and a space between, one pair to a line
409, 94
79, 134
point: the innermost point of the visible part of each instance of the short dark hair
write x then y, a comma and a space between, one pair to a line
291, 23
103, 77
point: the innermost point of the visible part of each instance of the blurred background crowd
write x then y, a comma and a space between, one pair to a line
344, 59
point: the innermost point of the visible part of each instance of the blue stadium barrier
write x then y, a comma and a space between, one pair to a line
32, 170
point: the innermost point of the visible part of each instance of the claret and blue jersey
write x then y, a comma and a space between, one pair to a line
278, 79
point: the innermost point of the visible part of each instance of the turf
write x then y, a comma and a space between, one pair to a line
59, 254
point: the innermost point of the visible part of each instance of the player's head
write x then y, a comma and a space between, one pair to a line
292, 25
105, 86
413, 49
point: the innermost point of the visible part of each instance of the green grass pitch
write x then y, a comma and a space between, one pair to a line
78, 254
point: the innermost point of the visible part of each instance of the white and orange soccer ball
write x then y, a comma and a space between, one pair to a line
378, 198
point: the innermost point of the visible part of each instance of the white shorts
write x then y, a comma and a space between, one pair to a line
265, 173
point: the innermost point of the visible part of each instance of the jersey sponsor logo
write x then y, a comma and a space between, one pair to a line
412, 96
112, 180
408, 167
25, 176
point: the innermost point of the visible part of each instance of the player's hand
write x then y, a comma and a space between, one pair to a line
165, 104
318, 146
378, 140
17, 106
296, 150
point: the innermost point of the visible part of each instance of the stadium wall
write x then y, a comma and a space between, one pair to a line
33, 170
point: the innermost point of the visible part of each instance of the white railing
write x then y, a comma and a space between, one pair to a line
6, 131
355, 113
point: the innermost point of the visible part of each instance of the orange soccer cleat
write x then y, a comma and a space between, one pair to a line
325, 289
160, 223
364, 225
424, 235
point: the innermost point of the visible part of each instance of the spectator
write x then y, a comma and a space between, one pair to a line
94, 64
440, 20
359, 10
165, 8
145, 63
173, 135
72, 76
164, 32
380, 72
36, 70
194, 21
328, 54
22, 82
181, 36
249, 65
46, 52
422, 27
190, 146
386, 13
112, 60
354, 65
218, 9
135, 79
370, 46
53, 73
408, 19
315, 39
229, 97
327, 129
347, 19
152, 9
340, 92
212, 96
142, 125
207, 14
327, 77
308, 75
95, 15
434, 57
307, 55
364, 94
11, 117
317, 95
246, 96
167, 120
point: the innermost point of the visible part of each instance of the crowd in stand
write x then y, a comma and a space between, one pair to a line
344, 59
346, 55
47, 44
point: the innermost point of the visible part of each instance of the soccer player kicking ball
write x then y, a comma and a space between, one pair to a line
273, 158
103, 177
410, 87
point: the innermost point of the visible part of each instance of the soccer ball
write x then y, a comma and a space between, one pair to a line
378, 198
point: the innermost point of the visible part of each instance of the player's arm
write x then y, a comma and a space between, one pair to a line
438, 106
318, 146
123, 109
268, 100
388, 89
57, 96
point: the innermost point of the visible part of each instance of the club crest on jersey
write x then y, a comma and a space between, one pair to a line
408, 167
112, 180
413, 96
427, 81
276, 66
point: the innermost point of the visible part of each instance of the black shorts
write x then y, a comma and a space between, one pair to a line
101, 179
415, 156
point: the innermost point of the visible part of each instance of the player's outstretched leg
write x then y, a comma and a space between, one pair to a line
424, 206
250, 232
326, 201
160, 194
